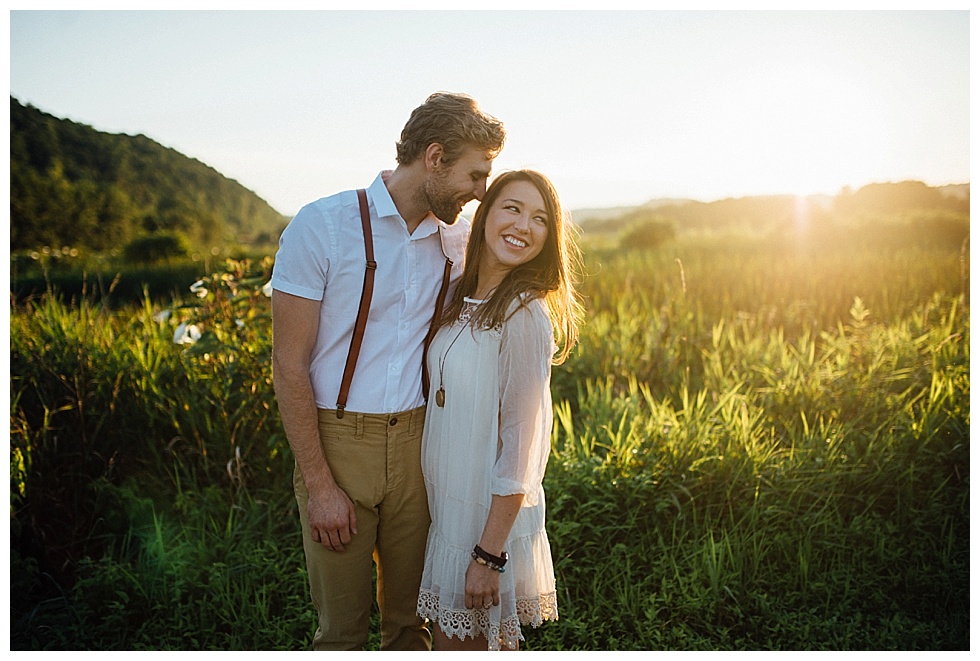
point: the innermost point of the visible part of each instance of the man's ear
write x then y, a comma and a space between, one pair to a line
434, 155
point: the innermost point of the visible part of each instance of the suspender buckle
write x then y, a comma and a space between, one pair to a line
371, 265
340, 411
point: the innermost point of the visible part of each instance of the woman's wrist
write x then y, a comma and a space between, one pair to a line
494, 562
498, 559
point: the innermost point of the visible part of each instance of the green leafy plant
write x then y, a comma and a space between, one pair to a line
755, 447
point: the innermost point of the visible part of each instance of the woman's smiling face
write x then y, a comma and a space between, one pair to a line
516, 227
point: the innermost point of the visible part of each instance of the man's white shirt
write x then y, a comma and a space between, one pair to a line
321, 257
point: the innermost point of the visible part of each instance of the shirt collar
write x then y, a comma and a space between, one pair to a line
430, 225
386, 208
383, 203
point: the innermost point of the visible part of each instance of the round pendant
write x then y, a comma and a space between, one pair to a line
441, 397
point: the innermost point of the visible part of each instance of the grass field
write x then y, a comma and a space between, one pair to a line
759, 445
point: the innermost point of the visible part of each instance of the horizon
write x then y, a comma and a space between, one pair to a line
618, 108
613, 207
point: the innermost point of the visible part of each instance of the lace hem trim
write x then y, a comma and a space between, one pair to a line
474, 622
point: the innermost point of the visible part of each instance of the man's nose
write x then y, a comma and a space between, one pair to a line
480, 190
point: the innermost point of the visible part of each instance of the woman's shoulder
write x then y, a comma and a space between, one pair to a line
528, 310
527, 301
529, 326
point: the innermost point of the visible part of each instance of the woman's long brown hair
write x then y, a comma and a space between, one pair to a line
552, 275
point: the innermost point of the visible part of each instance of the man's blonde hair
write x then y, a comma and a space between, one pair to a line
454, 121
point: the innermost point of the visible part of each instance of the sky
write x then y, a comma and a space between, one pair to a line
616, 107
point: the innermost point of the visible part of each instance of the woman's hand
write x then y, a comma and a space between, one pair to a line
482, 586
483, 583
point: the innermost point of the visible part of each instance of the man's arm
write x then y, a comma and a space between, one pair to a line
295, 322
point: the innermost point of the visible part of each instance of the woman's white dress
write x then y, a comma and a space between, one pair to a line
493, 436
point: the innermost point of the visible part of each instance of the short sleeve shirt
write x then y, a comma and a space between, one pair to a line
321, 257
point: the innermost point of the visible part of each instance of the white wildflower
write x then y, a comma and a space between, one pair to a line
187, 334
161, 316
267, 289
240, 323
199, 289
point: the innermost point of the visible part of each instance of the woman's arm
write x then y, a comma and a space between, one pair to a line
482, 582
524, 441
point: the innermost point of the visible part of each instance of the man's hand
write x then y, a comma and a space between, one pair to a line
332, 518
295, 322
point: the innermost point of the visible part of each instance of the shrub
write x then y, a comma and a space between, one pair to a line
156, 247
647, 233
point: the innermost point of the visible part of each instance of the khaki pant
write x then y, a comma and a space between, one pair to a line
376, 460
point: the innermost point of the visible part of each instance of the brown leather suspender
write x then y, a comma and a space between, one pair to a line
434, 326
362, 311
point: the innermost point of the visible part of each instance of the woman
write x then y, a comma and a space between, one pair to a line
487, 435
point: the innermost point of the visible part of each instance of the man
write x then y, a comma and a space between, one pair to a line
358, 478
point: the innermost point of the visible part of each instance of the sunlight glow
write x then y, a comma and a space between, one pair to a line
801, 215
618, 108
803, 128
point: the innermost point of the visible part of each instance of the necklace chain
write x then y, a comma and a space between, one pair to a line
465, 316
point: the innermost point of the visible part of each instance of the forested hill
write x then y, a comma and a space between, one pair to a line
71, 185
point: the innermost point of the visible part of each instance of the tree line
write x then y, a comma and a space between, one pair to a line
885, 214
71, 185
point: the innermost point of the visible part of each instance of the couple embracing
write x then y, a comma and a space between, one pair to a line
412, 361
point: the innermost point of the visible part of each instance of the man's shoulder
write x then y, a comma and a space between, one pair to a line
461, 228
327, 212
339, 202
454, 238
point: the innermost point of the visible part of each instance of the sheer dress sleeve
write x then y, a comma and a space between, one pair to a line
526, 348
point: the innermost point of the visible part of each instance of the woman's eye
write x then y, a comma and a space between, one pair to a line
541, 220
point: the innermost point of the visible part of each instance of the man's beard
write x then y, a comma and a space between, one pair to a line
441, 201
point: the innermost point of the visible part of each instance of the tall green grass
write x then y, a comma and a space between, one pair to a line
757, 446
